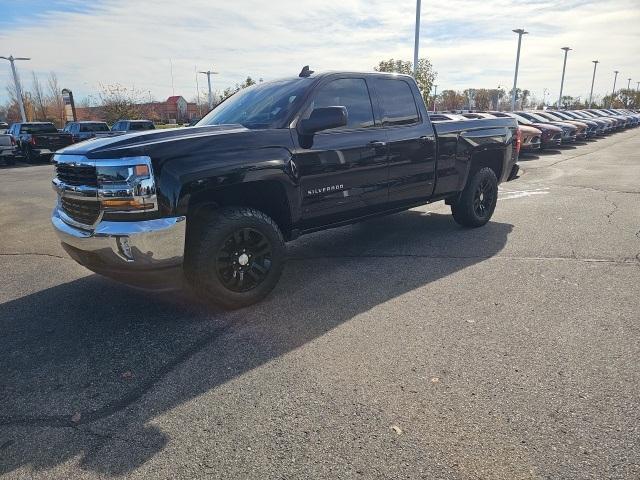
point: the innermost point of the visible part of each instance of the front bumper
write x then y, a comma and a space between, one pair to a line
146, 253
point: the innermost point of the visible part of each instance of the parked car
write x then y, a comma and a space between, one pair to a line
38, 140
551, 135
127, 126
601, 126
568, 130
4, 126
85, 130
7, 148
591, 128
531, 136
214, 204
610, 126
581, 128
619, 122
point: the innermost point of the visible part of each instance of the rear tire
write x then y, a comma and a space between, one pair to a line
478, 199
235, 256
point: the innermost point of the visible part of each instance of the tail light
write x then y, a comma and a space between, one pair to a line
13, 140
33, 140
518, 140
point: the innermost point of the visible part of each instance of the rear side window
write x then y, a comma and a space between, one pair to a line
351, 93
94, 127
141, 126
397, 102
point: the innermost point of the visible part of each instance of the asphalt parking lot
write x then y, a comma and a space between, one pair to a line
403, 347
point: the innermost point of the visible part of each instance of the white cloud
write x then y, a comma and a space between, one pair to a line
469, 42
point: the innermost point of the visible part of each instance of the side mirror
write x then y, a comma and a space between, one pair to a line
324, 119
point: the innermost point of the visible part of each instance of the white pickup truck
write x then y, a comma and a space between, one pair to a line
7, 149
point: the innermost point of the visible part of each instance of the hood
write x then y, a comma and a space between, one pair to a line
141, 143
529, 131
548, 127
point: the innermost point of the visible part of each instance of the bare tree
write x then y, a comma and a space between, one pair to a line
118, 102
55, 100
38, 98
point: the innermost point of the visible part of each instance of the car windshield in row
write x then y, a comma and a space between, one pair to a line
265, 105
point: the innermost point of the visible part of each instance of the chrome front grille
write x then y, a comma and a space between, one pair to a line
77, 174
82, 211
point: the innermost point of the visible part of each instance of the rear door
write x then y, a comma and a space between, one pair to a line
343, 171
411, 140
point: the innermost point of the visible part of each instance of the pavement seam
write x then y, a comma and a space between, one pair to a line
623, 261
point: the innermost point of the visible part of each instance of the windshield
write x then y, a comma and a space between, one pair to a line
265, 105
521, 119
537, 117
38, 128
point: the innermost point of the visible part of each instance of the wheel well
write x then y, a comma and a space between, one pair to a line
268, 196
489, 158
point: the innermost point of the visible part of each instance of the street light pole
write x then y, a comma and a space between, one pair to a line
564, 66
613, 93
595, 64
520, 32
544, 97
208, 73
417, 40
16, 81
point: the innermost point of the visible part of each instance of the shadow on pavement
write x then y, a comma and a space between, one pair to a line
80, 354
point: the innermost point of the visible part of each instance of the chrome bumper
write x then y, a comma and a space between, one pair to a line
137, 252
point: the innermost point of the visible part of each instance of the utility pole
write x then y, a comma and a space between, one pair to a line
435, 95
520, 32
595, 64
16, 82
564, 67
208, 73
417, 40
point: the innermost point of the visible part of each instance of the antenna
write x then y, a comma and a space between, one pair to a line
305, 72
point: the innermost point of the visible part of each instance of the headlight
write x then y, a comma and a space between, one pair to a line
126, 185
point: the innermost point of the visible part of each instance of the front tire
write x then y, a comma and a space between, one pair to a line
478, 199
235, 256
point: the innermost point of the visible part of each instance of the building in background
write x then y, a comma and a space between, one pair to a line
174, 109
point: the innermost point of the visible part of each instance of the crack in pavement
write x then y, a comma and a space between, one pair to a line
18, 254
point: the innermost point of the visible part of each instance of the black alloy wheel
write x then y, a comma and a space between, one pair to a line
244, 260
484, 197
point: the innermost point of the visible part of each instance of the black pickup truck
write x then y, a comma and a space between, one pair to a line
37, 140
214, 204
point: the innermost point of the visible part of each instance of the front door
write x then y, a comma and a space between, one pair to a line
343, 171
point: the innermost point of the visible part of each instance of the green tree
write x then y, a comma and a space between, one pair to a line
425, 75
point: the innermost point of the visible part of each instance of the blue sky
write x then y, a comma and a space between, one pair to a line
21, 12
470, 43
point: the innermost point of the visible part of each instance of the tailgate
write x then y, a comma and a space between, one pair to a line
52, 141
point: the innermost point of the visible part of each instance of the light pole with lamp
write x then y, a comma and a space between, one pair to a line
520, 32
12, 60
593, 79
564, 67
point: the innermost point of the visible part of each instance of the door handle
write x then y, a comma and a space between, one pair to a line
377, 144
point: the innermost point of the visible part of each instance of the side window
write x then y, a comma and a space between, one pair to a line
397, 102
351, 93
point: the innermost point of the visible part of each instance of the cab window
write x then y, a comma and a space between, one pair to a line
351, 93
